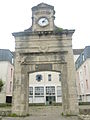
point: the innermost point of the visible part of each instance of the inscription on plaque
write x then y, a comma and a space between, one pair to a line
43, 67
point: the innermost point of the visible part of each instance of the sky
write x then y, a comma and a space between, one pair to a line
15, 16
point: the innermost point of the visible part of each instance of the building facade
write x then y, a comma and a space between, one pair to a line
45, 87
6, 75
55, 82
83, 75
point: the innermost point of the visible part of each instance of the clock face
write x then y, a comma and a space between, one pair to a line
43, 21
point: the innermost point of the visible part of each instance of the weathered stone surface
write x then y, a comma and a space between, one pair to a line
0, 117
84, 117
84, 111
4, 113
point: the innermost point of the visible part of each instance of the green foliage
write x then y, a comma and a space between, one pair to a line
62, 114
15, 115
36, 104
68, 115
43, 104
12, 115
5, 104
84, 103
1, 84
59, 29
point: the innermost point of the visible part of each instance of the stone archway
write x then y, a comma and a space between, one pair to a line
44, 47
24, 66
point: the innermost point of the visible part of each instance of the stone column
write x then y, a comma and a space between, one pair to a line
71, 93
0, 117
68, 82
20, 90
64, 84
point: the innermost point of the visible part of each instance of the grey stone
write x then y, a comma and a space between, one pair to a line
84, 117
0, 117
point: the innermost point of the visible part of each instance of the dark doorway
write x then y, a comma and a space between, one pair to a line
8, 99
50, 100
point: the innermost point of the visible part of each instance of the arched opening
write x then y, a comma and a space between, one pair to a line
45, 87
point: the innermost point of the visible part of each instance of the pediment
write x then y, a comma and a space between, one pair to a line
42, 5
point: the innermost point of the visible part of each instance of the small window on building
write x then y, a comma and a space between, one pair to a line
59, 91
79, 88
82, 85
30, 90
87, 84
49, 77
10, 86
60, 77
12, 61
38, 78
85, 69
11, 72
39, 91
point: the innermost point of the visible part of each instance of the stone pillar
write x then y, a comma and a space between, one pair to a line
20, 90
70, 93
64, 84
0, 117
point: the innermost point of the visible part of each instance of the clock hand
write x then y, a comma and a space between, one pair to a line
43, 21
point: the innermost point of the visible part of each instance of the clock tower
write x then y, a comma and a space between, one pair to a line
43, 17
44, 47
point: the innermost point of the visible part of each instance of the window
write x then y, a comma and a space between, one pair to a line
11, 72
59, 91
30, 90
87, 84
12, 61
10, 86
38, 78
50, 90
49, 77
85, 69
39, 91
79, 88
82, 85
60, 77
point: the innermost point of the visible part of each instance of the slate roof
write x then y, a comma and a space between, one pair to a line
77, 51
6, 55
85, 54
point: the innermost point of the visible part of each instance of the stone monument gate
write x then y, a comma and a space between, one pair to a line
44, 47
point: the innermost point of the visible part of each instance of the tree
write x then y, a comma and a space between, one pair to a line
1, 84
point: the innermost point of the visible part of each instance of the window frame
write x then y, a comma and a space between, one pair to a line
30, 91
49, 77
40, 90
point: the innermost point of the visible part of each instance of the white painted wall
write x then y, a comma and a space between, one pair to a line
44, 82
55, 78
9, 82
5, 75
83, 74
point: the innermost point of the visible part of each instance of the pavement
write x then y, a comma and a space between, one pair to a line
43, 113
